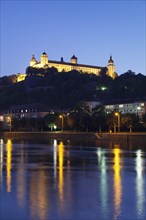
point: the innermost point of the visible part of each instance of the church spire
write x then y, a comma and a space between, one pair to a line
110, 60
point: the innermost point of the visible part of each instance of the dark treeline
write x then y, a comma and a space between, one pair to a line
65, 90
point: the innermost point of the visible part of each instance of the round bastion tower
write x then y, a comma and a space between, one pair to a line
111, 68
44, 59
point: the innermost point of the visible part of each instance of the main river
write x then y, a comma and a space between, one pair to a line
69, 180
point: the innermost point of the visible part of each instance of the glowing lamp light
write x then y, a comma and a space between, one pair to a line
118, 115
61, 116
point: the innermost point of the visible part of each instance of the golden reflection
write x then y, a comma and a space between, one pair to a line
61, 161
139, 182
117, 181
39, 201
9, 163
1, 159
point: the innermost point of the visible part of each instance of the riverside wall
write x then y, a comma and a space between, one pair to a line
122, 136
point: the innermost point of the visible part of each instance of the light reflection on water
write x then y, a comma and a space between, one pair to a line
61, 181
61, 177
9, 164
141, 194
117, 182
38, 194
1, 162
103, 181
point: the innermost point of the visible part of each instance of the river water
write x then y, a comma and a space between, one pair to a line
65, 180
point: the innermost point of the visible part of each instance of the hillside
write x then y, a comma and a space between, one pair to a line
66, 89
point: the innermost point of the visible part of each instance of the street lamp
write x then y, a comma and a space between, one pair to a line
118, 115
61, 116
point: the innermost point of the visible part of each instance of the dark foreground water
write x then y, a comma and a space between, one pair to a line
69, 181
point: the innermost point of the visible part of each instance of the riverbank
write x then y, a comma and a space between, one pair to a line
75, 135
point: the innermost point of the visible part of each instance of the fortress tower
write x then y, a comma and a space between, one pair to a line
111, 68
33, 61
74, 59
44, 59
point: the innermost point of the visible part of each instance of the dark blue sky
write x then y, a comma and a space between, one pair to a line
89, 29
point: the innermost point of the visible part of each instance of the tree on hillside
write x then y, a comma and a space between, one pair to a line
8, 80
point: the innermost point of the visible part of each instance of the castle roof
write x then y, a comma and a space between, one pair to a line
75, 64
33, 58
74, 57
44, 53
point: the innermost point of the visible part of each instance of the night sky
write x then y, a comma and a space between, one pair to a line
91, 30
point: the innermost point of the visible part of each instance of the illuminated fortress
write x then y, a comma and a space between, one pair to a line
72, 65
68, 66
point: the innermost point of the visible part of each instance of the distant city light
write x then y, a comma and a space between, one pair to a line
103, 88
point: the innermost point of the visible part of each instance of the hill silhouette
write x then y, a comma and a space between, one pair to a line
66, 89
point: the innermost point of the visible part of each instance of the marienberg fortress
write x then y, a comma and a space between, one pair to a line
68, 66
